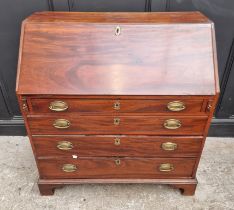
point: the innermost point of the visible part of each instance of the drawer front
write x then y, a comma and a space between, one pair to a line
144, 146
116, 168
68, 124
116, 106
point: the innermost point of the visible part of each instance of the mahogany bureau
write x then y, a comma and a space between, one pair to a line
117, 97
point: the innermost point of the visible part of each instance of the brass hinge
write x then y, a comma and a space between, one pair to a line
24, 104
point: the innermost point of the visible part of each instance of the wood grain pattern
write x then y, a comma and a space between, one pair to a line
106, 168
105, 146
120, 17
89, 59
104, 106
152, 125
79, 59
123, 97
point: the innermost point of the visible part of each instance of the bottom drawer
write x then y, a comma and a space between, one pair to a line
116, 168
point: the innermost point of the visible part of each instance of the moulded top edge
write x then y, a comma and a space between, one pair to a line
120, 17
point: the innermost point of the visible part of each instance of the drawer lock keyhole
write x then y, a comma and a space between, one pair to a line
116, 121
117, 141
117, 30
117, 105
117, 162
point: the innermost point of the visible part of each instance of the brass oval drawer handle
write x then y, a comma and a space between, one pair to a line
117, 141
166, 167
64, 145
58, 106
116, 121
176, 106
69, 168
117, 162
61, 124
117, 105
172, 124
169, 146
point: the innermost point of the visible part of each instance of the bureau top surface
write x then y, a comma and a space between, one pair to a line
117, 54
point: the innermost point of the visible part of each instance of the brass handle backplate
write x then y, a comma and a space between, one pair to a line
166, 167
117, 105
61, 124
58, 106
64, 145
169, 146
69, 168
117, 30
116, 121
117, 141
117, 162
172, 124
176, 106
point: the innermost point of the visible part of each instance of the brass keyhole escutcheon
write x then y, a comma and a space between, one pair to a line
169, 146
64, 145
172, 124
117, 162
117, 141
69, 168
117, 105
166, 167
117, 30
116, 121
176, 106
58, 106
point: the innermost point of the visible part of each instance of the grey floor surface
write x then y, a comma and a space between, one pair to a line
18, 189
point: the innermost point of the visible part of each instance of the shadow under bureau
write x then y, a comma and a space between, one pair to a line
117, 97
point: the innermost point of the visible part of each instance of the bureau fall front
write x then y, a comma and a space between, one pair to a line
117, 97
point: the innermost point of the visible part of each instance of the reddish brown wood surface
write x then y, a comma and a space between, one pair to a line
89, 59
170, 181
41, 105
152, 125
48, 189
107, 168
120, 17
125, 97
186, 189
186, 185
77, 58
130, 146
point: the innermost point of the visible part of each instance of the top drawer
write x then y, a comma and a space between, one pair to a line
174, 105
